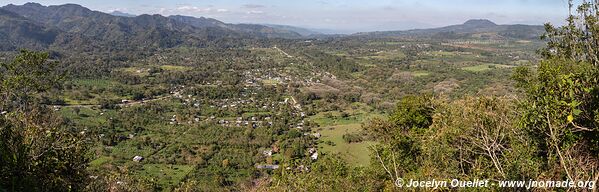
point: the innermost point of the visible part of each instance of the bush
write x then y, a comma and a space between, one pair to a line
352, 138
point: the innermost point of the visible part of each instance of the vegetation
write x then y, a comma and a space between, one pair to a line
212, 108
38, 149
550, 134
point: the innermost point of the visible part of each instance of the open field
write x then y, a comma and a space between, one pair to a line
421, 73
165, 175
355, 153
385, 55
485, 67
270, 82
175, 68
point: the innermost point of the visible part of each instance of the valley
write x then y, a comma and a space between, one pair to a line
179, 103
292, 102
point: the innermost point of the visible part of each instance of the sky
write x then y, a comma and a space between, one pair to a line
340, 16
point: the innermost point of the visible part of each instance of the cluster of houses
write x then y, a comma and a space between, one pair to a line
257, 77
251, 121
254, 80
439, 53
476, 42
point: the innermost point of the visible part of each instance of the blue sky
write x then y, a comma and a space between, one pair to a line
340, 15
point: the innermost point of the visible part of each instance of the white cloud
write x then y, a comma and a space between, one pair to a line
253, 6
112, 9
255, 12
192, 10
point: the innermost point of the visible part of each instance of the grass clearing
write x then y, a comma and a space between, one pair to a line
141, 72
356, 113
271, 82
130, 148
386, 55
333, 118
338, 53
334, 126
521, 62
379, 43
167, 176
354, 153
100, 161
87, 116
420, 73
484, 67
442, 53
98, 83
175, 68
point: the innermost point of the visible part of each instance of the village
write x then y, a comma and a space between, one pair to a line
252, 105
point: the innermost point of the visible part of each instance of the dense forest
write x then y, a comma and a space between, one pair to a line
211, 106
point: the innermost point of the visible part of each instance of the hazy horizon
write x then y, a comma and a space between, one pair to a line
335, 16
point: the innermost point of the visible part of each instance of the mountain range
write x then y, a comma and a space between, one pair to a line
36, 26
121, 14
480, 27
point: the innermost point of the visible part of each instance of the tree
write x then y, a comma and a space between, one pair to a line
477, 137
329, 173
561, 110
28, 74
400, 136
38, 152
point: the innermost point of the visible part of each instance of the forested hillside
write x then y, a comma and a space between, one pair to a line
91, 101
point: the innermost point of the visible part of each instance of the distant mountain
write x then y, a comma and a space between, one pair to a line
75, 27
265, 31
121, 14
250, 29
16, 31
201, 22
479, 23
40, 26
106, 29
471, 28
302, 31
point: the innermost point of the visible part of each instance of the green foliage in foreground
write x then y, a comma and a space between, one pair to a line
551, 133
37, 149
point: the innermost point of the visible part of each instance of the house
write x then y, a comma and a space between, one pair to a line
317, 135
267, 166
138, 158
267, 152
302, 168
314, 156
